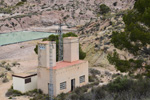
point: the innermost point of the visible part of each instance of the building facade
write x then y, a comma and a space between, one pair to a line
67, 74
25, 82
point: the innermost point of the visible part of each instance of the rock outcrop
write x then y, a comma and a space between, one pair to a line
39, 13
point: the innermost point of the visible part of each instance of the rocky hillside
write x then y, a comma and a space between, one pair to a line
23, 14
84, 15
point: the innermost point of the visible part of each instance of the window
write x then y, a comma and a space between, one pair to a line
62, 85
28, 80
82, 79
42, 47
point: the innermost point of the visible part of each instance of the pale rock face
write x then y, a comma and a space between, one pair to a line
120, 4
50, 11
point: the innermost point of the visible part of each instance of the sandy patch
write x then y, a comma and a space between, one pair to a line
3, 89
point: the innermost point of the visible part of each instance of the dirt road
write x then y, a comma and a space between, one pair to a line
3, 89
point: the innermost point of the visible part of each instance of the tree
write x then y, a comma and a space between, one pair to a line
135, 39
137, 29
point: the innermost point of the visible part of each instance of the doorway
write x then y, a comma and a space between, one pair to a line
72, 84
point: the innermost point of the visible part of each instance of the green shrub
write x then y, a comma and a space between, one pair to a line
74, 96
91, 79
31, 93
61, 96
12, 92
104, 9
40, 97
5, 10
3, 62
5, 80
136, 35
19, 3
82, 54
80, 90
2, 75
94, 71
99, 93
15, 63
10, 98
120, 84
124, 65
122, 88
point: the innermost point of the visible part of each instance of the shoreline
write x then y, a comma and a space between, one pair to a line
50, 29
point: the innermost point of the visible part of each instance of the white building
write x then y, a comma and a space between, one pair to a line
66, 75
25, 82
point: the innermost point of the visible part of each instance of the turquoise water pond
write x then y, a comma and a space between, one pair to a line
15, 37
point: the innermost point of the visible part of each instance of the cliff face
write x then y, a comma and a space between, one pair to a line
39, 13
118, 4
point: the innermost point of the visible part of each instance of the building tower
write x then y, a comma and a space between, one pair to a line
44, 54
47, 58
71, 49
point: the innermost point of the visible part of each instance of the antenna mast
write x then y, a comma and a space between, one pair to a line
51, 90
60, 42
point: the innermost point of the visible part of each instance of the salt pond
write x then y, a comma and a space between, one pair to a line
16, 37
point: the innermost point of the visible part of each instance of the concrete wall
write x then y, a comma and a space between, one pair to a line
19, 84
62, 75
43, 79
43, 51
69, 73
44, 54
32, 85
53, 53
70, 49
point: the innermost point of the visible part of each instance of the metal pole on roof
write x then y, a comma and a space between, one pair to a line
51, 90
60, 42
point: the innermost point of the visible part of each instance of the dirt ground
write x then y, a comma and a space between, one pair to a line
3, 89
22, 53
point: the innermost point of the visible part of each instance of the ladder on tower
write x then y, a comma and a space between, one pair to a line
51, 86
51, 90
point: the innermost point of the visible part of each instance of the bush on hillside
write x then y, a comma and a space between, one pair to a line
122, 88
104, 9
19, 3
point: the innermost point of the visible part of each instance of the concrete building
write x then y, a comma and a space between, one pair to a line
25, 82
67, 74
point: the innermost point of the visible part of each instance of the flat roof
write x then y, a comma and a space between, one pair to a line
26, 74
71, 38
44, 42
63, 64
47, 42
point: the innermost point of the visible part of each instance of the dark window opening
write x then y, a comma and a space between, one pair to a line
62, 85
28, 80
82, 79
